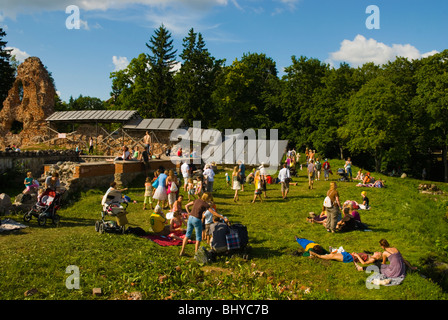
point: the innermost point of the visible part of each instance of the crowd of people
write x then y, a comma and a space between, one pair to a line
166, 191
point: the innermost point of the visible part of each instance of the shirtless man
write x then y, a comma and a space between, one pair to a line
147, 141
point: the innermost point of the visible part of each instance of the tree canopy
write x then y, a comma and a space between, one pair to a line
391, 116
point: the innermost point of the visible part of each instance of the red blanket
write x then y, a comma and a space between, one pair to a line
165, 241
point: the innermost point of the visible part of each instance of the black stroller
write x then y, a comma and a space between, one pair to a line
46, 208
227, 239
343, 175
112, 206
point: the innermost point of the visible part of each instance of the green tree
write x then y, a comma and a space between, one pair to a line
432, 99
196, 81
245, 96
85, 103
300, 82
377, 123
130, 89
330, 110
7, 71
161, 85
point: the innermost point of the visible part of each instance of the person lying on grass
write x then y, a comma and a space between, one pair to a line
309, 246
362, 258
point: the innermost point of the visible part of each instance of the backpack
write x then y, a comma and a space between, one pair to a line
204, 256
243, 236
135, 231
326, 165
327, 202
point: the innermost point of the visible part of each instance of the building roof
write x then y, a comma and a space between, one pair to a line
104, 116
154, 124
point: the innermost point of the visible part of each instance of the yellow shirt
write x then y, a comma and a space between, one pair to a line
157, 222
311, 245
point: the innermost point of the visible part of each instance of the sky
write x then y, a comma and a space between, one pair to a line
113, 32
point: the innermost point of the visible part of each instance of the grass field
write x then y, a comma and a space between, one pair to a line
125, 265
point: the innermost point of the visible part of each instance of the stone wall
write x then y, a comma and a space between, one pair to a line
33, 161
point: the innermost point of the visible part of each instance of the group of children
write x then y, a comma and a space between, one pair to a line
194, 189
178, 218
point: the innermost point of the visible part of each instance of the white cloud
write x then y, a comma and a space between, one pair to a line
120, 63
20, 55
362, 50
11, 8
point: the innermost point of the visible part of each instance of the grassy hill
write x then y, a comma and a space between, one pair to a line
415, 223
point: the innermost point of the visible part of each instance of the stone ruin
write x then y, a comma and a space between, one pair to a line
24, 202
30, 101
429, 189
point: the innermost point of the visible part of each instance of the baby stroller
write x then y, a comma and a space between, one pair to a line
46, 208
342, 174
227, 239
112, 206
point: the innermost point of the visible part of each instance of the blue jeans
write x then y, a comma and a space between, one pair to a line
196, 224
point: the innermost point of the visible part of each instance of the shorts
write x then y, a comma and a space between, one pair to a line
196, 224
346, 257
147, 200
285, 186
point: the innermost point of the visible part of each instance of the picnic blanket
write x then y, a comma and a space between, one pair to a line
165, 241
9, 225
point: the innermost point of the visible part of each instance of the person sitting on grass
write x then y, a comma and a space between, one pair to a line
158, 222
176, 223
365, 201
347, 223
320, 219
397, 264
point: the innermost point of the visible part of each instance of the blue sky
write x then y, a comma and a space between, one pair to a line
113, 32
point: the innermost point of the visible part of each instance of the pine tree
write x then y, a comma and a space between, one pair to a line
6, 69
161, 81
195, 81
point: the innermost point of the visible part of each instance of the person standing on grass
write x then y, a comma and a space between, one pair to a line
348, 168
327, 169
209, 175
160, 194
242, 173
236, 185
198, 208
284, 176
257, 183
318, 168
311, 174
185, 169
263, 178
333, 212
